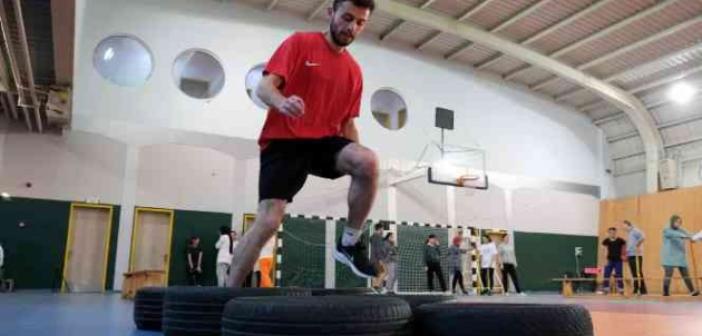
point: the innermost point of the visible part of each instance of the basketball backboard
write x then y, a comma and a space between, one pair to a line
460, 167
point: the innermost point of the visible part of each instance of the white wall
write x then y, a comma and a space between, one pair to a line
79, 166
523, 134
186, 177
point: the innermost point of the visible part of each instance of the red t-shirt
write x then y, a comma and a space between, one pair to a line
330, 83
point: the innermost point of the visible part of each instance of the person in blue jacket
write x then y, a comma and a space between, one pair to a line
673, 254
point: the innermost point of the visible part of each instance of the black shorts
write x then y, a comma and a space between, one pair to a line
285, 165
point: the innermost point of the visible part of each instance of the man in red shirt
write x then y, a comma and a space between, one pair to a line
313, 87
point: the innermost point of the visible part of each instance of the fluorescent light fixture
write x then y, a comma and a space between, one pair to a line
681, 93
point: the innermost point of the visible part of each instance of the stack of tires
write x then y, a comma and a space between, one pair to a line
204, 311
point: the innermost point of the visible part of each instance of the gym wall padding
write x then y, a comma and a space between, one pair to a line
34, 253
204, 225
302, 252
410, 244
651, 213
543, 256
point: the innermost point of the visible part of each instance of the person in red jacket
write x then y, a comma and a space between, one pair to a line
313, 88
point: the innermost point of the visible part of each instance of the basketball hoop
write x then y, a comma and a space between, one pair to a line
461, 180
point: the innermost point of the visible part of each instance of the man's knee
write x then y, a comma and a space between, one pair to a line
270, 215
365, 164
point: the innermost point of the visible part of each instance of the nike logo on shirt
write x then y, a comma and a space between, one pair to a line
311, 64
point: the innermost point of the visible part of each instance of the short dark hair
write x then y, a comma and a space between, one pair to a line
370, 4
628, 223
432, 236
378, 226
612, 229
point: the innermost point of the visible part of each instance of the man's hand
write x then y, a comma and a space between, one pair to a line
292, 106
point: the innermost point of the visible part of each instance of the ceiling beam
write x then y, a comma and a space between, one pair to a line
630, 47
431, 38
666, 125
622, 99
474, 10
272, 4
638, 69
63, 31
322, 5
666, 80
601, 33
24, 46
463, 16
384, 35
649, 106
667, 146
523, 13
560, 24
14, 66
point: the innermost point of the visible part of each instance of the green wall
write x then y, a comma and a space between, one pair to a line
542, 256
204, 225
34, 253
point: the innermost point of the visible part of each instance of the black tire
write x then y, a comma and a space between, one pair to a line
469, 319
317, 316
415, 301
197, 311
343, 291
148, 308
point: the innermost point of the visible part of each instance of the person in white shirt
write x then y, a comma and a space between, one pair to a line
509, 265
489, 257
225, 248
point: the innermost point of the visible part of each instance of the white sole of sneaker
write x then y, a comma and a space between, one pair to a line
342, 259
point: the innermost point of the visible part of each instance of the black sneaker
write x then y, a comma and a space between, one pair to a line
695, 293
355, 258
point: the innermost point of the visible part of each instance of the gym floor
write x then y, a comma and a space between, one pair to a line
38, 313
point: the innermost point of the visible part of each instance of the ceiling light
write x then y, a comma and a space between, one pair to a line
681, 93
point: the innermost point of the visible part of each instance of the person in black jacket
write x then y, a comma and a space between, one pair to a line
432, 260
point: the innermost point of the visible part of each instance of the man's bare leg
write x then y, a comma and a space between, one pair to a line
269, 216
362, 164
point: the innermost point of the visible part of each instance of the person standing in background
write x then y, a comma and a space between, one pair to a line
489, 257
432, 260
673, 254
509, 265
225, 249
392, 257
377, 256
467, 259
265, 263
613, 248
456, 265
634, 252
194, 256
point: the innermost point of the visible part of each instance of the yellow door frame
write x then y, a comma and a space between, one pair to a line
69, 240
135, 227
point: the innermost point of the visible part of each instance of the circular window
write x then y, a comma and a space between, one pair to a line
389, 109
198, 74
252, 78
123, 60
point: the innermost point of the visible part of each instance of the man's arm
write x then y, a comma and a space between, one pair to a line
268, 90
349, 131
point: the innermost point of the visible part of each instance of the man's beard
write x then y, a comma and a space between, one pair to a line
334, 35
